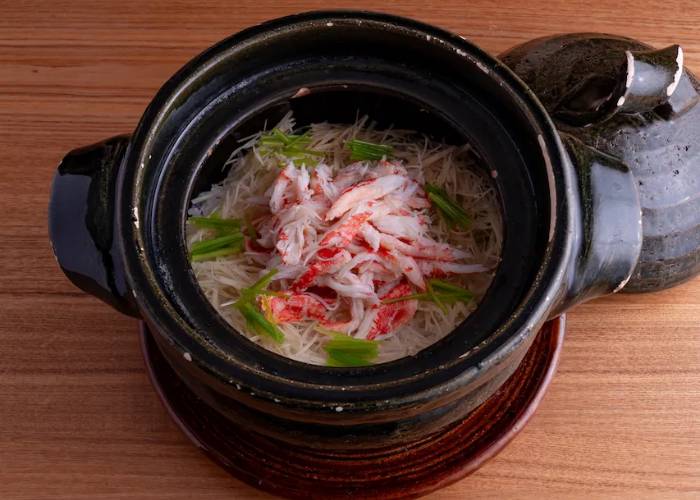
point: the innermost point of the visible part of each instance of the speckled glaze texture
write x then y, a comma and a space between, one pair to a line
638, 105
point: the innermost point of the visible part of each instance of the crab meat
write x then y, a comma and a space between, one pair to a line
322, 183
353, 223
411, 195
357, 260
371, 236
385, 288
363, 192
403, 264
279, 196
344, 232
256, 252
357, 312
349, 175
292, 308
327, 260
387, 318
387, 167
358, 237
284, 271
425, 248
415, 196
301, 185
379, 270
404, 226
437, 269
290, 242
297, 223
350, 286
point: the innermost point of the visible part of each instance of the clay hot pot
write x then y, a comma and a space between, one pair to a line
588, 139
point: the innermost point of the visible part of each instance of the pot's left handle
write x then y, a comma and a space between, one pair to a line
82, 221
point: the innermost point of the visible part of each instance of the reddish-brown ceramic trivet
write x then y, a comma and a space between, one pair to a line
398, 472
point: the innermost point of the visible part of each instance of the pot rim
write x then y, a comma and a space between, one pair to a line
516, 331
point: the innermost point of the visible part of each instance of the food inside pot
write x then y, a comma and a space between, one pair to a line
346, 245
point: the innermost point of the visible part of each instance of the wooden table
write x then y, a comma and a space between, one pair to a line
78, 418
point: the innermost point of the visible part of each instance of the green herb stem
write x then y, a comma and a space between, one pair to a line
223, 252
221, 226
255, 320
344, 350
259, 286
435, 297
363, 150
293, 147
437, 291
229, 241
453, 214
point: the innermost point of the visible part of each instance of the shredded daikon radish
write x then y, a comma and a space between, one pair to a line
249, 190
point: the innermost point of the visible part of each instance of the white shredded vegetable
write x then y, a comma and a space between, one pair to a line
344, 235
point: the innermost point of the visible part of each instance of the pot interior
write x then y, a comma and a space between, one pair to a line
359, 70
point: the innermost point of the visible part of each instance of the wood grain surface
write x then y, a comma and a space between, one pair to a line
78, 419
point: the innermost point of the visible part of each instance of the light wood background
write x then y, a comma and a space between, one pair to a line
78, 419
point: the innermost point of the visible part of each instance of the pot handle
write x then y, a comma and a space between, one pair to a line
608, 230
644, 80
82, 222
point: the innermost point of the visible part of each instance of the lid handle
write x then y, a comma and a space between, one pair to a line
651, 78
644, 81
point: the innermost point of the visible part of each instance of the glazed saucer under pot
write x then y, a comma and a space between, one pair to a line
404, 471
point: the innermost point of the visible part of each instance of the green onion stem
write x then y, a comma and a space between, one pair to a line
255, 320
229, 239
223, 252
344, 350
363, 150
437, 291
221, 226
206, 246
453, 214
290, 146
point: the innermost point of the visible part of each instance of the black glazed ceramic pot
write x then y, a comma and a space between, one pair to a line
571, 213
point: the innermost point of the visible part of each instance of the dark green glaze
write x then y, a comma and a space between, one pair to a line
582, 80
